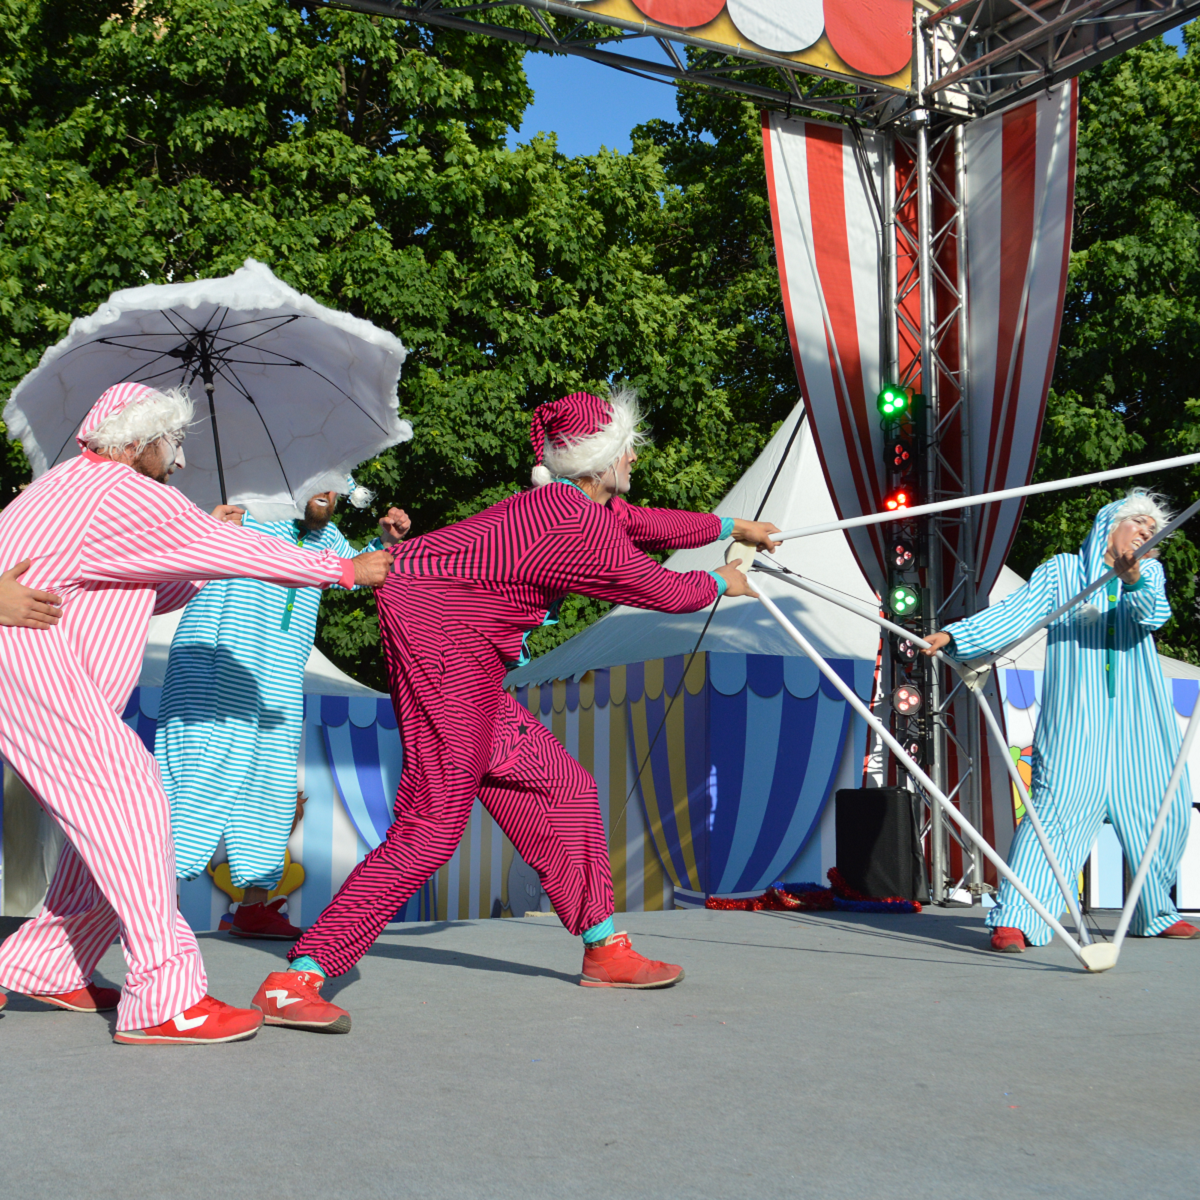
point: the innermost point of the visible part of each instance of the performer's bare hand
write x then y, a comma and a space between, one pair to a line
394, 525
25, 607
1129, 569
229, 513
936, 642
372, 568
736, 582
756, 532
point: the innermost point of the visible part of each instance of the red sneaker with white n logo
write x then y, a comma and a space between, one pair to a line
294, 998
207, 1022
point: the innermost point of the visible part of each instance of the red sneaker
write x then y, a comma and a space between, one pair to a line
1008, 940
207, 1022
264, 921
615, 963
1181, 930
88, 998
294, 998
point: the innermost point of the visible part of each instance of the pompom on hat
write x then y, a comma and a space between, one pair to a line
358, 495
118, 397
582, 435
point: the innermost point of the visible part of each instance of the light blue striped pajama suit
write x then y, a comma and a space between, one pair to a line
1106, 738
232, 712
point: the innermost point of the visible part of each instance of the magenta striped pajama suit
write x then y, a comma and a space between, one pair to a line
117, 547
453, 616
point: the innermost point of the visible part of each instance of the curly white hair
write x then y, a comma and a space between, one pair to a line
591, 457
1141, 502
144, 421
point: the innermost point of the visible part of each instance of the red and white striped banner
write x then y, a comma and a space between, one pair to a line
829, 245
1020, 181
1020, 190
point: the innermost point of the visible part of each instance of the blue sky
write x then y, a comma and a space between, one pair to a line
588, 105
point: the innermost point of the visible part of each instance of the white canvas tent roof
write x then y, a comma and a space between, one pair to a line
321, 677
741, 625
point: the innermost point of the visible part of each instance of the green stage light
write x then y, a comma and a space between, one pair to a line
892, 401
904, 601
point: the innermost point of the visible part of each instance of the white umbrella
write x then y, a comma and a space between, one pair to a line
294, 395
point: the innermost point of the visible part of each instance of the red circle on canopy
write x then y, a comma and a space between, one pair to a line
686, 14
872, 36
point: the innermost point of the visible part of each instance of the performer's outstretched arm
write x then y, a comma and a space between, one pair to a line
1147, 599
144, 532
606, 565
995, 627
665, 528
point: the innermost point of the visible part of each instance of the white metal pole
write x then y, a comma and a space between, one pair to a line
1068, 891
1139, 879
863, 711
990, 717
1033, 489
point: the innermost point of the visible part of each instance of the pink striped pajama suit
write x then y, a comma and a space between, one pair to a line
453, 615
116, 546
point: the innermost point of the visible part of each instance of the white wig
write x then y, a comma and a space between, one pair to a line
144, 421
1143, 503
591, 457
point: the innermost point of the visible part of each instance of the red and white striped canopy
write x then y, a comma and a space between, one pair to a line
826, 206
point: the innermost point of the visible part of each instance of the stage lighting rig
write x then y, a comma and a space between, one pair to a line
904, 601
893, 401
902, 414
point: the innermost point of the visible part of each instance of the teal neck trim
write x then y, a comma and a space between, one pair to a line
570, 483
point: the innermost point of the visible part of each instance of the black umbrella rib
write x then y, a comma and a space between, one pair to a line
232, 379
284, 361
280, 323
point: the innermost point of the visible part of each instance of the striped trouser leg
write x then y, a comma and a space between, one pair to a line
546, 803
260, 823
447, 707
1071, 823
92, 774
59, 950
1132, 815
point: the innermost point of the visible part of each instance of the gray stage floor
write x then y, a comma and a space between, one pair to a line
804, 1056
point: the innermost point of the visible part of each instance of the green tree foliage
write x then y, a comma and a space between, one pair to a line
366, 162
1126, 388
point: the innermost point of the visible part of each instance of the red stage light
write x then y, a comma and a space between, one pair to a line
907, 700
901, 498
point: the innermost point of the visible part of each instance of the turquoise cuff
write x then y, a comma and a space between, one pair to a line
598, 933
726, 528
721, 584
1134, 587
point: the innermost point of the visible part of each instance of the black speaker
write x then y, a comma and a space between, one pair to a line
878, 848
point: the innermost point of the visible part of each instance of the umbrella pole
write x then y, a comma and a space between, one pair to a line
206, 374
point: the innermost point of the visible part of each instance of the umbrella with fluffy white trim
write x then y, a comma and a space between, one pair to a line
290, 395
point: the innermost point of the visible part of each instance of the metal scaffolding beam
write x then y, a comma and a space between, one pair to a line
982, 55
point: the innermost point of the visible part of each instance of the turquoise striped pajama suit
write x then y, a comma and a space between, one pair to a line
1107, 736
232, 712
